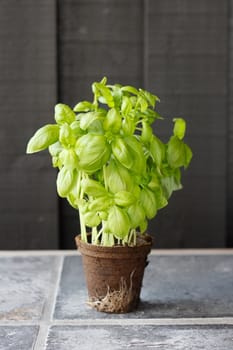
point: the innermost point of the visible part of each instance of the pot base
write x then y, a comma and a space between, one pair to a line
116, 301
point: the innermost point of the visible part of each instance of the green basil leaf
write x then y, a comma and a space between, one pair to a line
96, 127
86, 119
161, 200
147, 132
126, 106
118, 222
157, 150
104, 94
72, 198
118, 177
93, 188
133, 100
69, 158
103, 215
56, 162
65, 181
82, 205
188, 155
151, 99
176, 153
148, 202
136, 214
124, 198
177, 176
117, 94
55, 149
91, 219
130, 89
84, 106
76, 130
101, 203
149, 115
136, 151
43, 138
179, 128
143, 103
122, 153
93, 152
128, 126
154, 182
158, 116
170, 184
103, 80
143, 226
64, 114
112, 121
66, 136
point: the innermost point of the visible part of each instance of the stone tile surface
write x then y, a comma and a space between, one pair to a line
18, 337
140, 337
25, 283
174, 286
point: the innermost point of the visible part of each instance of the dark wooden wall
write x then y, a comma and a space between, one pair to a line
28, 204
181, 50
187, 49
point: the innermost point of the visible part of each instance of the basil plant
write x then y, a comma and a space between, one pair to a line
111, 166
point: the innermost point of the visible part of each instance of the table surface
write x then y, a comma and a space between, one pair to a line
187, 303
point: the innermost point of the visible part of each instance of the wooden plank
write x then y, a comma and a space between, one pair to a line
186, 61
184, 7
188, 74
198, 110
97, 39
186, 222
28, 207
230, 134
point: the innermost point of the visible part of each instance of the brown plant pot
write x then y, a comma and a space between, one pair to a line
114, 274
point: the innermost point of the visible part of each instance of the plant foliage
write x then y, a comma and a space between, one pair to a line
112, 168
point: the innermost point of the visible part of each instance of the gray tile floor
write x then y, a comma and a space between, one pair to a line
187, 303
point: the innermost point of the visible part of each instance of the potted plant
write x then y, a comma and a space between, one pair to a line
117, 174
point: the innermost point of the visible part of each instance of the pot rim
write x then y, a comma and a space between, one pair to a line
116, 251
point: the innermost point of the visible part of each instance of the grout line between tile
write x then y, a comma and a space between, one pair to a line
149, 321
44, 325
181, 252
47, 315
26, 253
40, 343
51, 301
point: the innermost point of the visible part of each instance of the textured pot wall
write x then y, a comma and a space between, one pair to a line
52, 50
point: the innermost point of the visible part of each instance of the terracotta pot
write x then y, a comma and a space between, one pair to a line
114, 274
